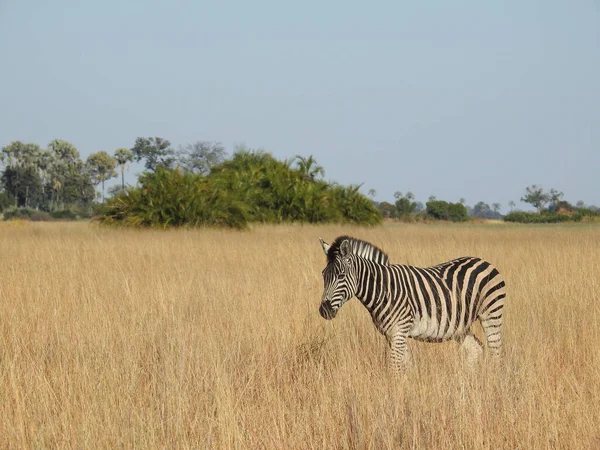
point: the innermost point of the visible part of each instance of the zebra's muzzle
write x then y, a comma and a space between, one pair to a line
326, 311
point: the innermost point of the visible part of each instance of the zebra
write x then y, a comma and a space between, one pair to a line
431, 304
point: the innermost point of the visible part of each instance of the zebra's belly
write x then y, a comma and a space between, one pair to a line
429, 329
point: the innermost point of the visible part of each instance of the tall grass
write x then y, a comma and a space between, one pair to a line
212, 339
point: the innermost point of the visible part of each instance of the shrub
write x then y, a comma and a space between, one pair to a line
585, 213
531, 217
171, 198
441, 210
250, 187
64, 214
26, 214
5, 201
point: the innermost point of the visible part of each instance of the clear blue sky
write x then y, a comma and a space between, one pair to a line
456, 99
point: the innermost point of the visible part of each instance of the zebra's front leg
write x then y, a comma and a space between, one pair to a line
399, 351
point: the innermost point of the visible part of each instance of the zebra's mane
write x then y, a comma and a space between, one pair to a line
358, 247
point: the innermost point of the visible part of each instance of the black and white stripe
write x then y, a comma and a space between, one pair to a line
431, 304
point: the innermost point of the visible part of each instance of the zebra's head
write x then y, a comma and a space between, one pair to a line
338, 276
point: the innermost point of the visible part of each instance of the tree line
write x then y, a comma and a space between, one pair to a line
201, 184
550, 207
196, 184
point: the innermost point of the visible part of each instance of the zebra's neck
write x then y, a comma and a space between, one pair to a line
372, 286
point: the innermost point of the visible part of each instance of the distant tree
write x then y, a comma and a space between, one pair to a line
21, 177
580, 204
554, 197
372, 193
432, 198
496, 207
200, 156
68, 178
101, 167
536, 197
405, 204
64, 151
442, 210
45, 163
123, 156
116, 190
462, 201
154, 151
482, 210
387, 210
511, 205
564, 206
309, 167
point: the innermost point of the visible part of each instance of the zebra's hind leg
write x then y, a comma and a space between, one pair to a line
492, 328
472, 347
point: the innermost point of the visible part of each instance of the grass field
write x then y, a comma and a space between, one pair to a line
212, 339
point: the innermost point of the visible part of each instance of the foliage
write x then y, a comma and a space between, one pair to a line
101, 167
583, 213
309, 168
45, 179
69, 182
173, 198
5, 201
554, 199
200, 156
535, 196
405, 207
483, 211
531, 217
23, 184
552, 217
277, 193
388, 210
33, 215
441, 210
156, 152
405, 204
252, 186
20, 178
36, 215
122, 157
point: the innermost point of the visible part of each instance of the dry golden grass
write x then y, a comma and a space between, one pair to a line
212, 339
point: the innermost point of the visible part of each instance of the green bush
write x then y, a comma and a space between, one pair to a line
250, 187
171, 198
5, 201
64, 214
33, 215
583, 213
441, 210
532, 217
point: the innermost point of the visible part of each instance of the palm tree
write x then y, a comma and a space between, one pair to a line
309, 167
123, 156
511, 205
101, 167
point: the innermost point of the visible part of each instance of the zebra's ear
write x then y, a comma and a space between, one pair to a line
325, 246
345, 248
